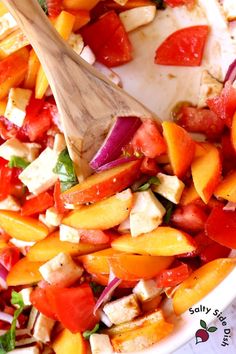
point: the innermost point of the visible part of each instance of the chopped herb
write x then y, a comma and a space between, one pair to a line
169, 209
43, 4
8, 340
87, 334
153, 180
17, 161
160, 4
65, 170
97, 288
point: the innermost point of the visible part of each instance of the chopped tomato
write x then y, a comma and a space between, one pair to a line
204, 121
9, 256
149, 167
184, 47
221, 227
73, 306
214, 251
228, 153
148, 140
5, 181
95, 237
108, 40
174, 276
190, 218
54, 7
224, 105
37, 204
39, 300
8, 130
175, 3
59, 205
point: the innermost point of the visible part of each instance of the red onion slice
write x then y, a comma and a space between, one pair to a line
116, 163
119, 135
107, 293
3, 277
7, 318
231, 73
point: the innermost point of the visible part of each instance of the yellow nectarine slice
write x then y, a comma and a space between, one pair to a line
80, 4
164, 241
51, 246
103, 185
227, 188
22, 227
200, 283
233, 132
206, 173
69, 343
97, 262
24, 272
181, 147
102, 215
189, 195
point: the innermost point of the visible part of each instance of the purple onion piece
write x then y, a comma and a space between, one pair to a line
107, 293
120, 134
231, 73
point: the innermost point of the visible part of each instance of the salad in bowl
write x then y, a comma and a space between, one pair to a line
111, 264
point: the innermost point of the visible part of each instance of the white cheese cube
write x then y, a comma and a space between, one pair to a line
42, 328
18, 100
32, 318
146, 290
14, 147
52, 217
7, 25
100, 344
28, 350
39, 175
10, 203
25, 293
138, 16
171, 187
76, 42
146, 214
124, 227
69, 234
122, 310
59, 143
209, 88
229, 7
42, 218
88, 55
61, 270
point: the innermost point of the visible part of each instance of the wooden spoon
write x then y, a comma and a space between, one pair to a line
87, 101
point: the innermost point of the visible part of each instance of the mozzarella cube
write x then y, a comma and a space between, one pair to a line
170, 187
28, 350
69, 234
18, 100
209, 88
61, 270
7, 25
122, 310
76, 42
229, 7
42, 218
14, 147
32, 318
59, 143
39, 175
137, 17
52, 217
25, 293
124, 227
88, 55
146, 290
146, 214
10, 203
42, 328
100, 344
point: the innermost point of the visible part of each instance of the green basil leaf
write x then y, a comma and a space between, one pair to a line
97, 288
87, 334
153, 180
144, 187
17, 161
65, 171
8, 340
169, 209
43, 4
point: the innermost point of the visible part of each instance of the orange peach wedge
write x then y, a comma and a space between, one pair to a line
97, 262
164, 241
227, 188
102, 215
69, 343
24, 272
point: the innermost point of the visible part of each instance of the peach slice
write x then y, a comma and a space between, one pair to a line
189, 195
24, 272
51, 246
181, 147
69, 343
97, 262
233, 132
227, 188
164, 241
206, 173
102, 215
104, 184
200, 283
80, 4
22, 227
